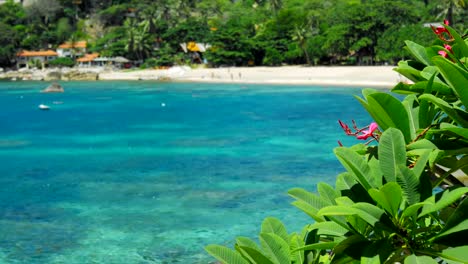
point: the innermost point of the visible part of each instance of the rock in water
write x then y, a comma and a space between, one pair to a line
53, 88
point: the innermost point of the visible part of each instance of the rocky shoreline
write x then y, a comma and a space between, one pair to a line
58, 74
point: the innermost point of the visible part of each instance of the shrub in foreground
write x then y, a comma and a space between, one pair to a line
398, 200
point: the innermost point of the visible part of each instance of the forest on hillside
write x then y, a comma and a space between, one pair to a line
240, 32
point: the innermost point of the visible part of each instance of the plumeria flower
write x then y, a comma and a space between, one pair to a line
361, 133
442, 32
442, 53
369, 132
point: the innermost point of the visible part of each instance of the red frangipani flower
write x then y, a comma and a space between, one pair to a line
361, 133
369, 132
442, 32
442, 53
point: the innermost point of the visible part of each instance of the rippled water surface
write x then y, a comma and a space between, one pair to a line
139, 172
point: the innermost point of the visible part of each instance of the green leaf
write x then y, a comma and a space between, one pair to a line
355, 165
254, 255
329, 228
448, 198
409, 184
422, 144
318, 246
308, 202
460, 214
371, 260
345, 181
458, 254
447, 108
335, 210
420, 164
275, 226
295, 243
225, 255
388, 197
407, 70
412, 111
327, 192
413, 259
392, 153
455, 76
462, 132
388, 112
275, 248
463, 226
459, 41
246, 242
419, 52
412, 210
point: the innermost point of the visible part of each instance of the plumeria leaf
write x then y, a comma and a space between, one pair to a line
318, 246
275, 248
370, 260
457, 254
413, 112
448, 198
255, 256
275, 226
455, 76
407, 69
388, 112
447, 108
329, 228
308, 202
409, 184
355, 165
459, 41
327, 192
225, 255
392, 153
295, 243
388, 197
413, 259
418, 52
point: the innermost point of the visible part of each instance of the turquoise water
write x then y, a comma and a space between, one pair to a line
140, 172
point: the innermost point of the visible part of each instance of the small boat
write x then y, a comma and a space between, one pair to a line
44, 107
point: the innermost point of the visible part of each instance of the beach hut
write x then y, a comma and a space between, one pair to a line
72, 49
87, 60
24, 58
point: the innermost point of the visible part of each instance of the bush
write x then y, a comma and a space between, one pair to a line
62, 62
398, 200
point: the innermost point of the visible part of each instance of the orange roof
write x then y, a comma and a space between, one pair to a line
26, 53
69, 45
88, 57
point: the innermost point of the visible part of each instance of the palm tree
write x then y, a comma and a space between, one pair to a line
300, 35
139, 41
450, 7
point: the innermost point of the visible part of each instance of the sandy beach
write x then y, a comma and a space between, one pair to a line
356, 76
372, 76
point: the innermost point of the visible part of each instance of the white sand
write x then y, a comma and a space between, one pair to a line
371, 76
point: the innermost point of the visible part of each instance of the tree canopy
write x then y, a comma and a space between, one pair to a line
240, 32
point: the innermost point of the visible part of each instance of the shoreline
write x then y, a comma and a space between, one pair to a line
348, 76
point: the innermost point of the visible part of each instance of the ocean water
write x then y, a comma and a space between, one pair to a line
144, 172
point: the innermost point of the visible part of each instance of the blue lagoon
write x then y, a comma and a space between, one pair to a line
144, 172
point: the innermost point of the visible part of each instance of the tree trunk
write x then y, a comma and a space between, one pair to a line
450, 13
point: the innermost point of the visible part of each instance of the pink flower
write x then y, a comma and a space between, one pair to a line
448, 47
442, 32
442, 53
369, 132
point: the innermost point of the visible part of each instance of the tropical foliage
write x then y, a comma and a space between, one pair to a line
242, 32
400, 199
